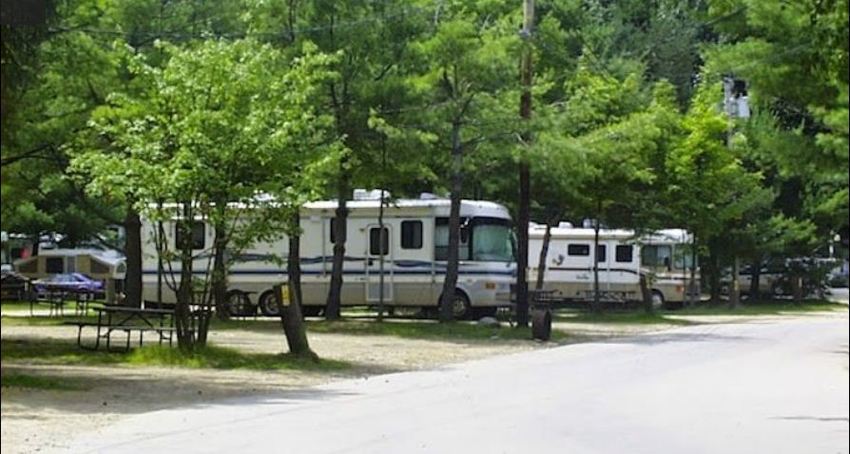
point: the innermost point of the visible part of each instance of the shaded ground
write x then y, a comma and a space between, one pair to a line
58, 395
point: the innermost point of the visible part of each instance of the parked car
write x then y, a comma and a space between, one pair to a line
76, 282
771, 278
13, 286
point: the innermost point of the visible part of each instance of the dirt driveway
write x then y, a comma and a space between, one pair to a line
34, 419
37, 419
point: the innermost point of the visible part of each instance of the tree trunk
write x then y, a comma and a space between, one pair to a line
291, 315
797, 288
183, 309
735, 292
381, 239
544, 252
333, 305
714, 274
646, 295
133, 253
450, 282
525, 101
755, 279
219, 275
597, 303
694, 291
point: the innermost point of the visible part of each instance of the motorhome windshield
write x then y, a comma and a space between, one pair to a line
481, 239
667, 256
492, 240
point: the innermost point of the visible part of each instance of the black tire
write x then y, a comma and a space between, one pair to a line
778, 290
658, 300
237, 303
461, 308
268, 304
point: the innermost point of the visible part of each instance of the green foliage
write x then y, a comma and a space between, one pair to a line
795, 59
18, 380
52, 351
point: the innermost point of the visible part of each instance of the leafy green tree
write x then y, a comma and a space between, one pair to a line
795, 60
219, 125
466, 66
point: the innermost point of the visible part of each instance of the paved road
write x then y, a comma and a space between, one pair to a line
778, 387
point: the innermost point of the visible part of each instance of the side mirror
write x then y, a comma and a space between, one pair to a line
667, 263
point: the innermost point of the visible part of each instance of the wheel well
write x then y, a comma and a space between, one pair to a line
265, 295
458, 291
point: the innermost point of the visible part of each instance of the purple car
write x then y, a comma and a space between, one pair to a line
70, 282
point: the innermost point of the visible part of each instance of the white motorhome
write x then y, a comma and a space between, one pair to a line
411, 258
663, 255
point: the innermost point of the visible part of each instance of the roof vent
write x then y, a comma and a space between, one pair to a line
565, 225
427, 196
374, 194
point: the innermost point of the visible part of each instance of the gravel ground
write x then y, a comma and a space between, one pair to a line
35, 420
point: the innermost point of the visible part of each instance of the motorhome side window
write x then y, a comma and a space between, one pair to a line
623, 253
411, 234
379, 244
578, 249
199, 233
658, 256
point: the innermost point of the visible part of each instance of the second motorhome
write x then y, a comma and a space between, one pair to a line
410, 256
664, 256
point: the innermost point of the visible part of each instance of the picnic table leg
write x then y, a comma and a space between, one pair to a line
80, 335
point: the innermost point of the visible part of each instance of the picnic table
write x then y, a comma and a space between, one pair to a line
129, 320
57, 298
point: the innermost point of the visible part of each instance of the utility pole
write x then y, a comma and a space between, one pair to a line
524, 177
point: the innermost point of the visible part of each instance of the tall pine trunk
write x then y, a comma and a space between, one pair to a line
597, 303
450, 282
714, 273
291, 315
755, 279
133, 254
541, 261
646, 295
334, 303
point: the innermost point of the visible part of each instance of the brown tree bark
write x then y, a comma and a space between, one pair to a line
544, 252
133, 254
646, 295
597, 302
333, 303
219, 274
291, 314
183, 309
450, 282
755, 279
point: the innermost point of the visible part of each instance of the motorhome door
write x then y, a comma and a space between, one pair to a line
379, 264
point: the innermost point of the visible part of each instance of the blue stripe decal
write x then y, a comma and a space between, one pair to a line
349, 272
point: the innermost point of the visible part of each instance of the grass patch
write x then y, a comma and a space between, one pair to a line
53, 351
212, 357
43, 320
763, 308
16, 380
422, 329
638, 317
